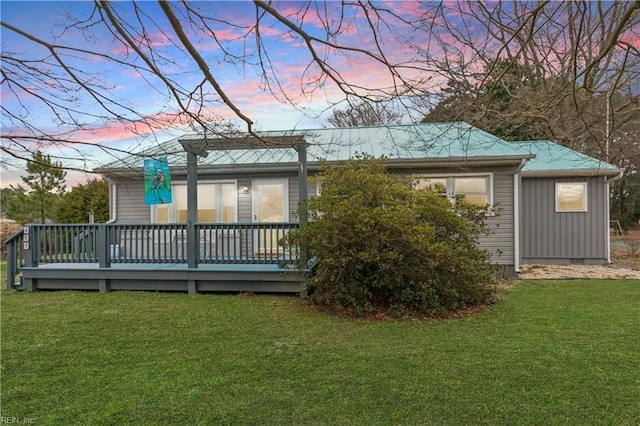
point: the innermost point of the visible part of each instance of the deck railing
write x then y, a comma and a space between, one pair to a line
148, 243
245, 243
107, 244
15, 257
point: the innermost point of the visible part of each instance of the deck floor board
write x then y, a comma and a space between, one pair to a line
240, 267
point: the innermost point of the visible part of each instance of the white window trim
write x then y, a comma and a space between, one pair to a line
586, 197
451, 195
172, 211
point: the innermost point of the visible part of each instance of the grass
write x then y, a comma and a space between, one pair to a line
550, 352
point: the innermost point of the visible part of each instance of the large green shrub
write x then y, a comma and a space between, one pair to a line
386, 247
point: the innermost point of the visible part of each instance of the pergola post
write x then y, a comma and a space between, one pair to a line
301, 147
193, 239
303, 191
201, 147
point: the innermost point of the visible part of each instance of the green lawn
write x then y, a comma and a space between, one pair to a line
551, 352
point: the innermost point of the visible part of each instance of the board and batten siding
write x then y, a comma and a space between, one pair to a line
554, 237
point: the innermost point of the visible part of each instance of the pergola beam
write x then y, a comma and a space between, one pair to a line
200, 148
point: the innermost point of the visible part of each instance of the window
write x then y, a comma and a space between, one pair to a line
216, 203
571, 196
475, 189
438, 185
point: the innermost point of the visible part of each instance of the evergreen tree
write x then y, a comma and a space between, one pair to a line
17, 205
76, 205
46, 182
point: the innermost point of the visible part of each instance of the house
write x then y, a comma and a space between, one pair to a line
234, 197
553, 201
564, 206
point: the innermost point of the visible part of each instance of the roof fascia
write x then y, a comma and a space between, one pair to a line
314, 165
502, 160
569, 173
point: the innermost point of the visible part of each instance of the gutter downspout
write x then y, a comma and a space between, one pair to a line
607, 212
516, 216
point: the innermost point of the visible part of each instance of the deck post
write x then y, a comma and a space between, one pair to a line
31, 246
28, 284
12, 255
192, 210
103, 247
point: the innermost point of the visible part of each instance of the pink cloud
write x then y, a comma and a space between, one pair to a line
412, 9
221, 35
301, 14
631, 38
154, 40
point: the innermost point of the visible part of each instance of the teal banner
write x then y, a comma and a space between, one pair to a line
157, 181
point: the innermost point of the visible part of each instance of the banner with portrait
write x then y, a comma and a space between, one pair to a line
157, 181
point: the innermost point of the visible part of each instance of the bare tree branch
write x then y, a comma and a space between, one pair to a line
555, 61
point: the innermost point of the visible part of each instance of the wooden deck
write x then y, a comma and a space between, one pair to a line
223, 258
261, 278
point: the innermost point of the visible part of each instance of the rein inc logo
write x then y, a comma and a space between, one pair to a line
17, 420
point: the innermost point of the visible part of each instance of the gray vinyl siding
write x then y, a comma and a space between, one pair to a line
132, 209
500, 243
294, 197
563, 237
130, 206
244, 200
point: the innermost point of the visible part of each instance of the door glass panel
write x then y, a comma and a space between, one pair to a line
216, 203
270, 206
270, 202
180, 202
228, 202
207, 202
162, 213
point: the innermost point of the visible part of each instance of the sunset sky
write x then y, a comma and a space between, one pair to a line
297, 104
290, 97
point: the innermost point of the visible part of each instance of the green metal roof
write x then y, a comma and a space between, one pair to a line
552, 158
454, 142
